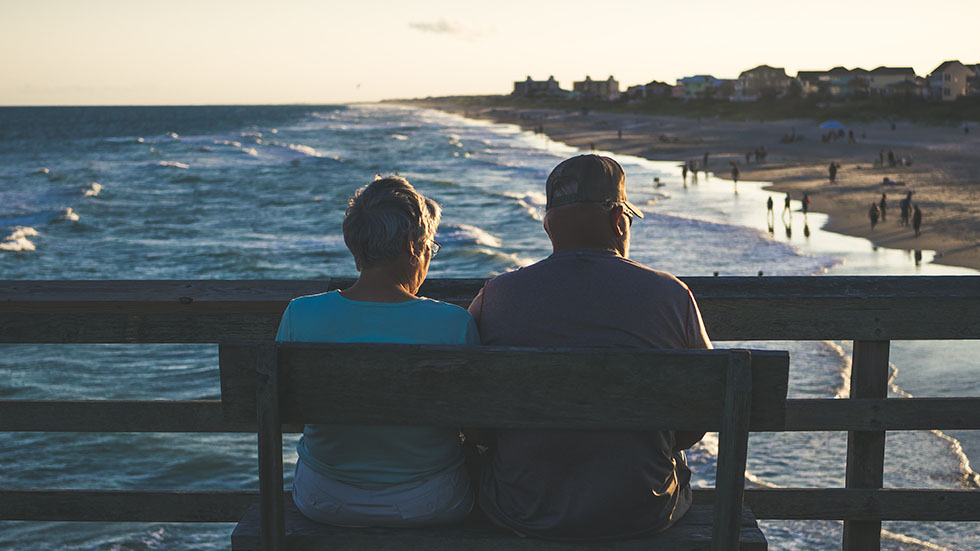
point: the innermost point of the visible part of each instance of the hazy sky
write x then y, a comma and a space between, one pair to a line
78, 52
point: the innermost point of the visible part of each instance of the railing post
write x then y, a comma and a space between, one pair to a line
866, 449
273, 524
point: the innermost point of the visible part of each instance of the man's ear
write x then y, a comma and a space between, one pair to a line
618, 220
410, 246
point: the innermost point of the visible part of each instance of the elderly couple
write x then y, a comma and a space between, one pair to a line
573, 486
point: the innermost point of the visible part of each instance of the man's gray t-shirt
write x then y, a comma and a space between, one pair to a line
587, 485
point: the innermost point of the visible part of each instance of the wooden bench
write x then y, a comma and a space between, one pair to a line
730, 391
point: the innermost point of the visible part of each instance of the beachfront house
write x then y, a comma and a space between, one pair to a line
814, 83
604, 90
892, 81
652, 89
761, 81
950, 80
698, 86
530, 88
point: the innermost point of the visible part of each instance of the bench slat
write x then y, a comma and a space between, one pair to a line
491, 386
691, 533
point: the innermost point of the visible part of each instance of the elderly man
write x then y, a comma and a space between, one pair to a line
588, 486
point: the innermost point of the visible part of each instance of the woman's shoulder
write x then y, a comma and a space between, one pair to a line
439, 308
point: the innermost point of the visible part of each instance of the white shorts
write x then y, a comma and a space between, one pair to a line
443, 499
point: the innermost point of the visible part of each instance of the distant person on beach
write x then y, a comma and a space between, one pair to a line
786, 204
589, 485
382, 476
883, 206
873, 214
916, 220
891, 158
805, 203
735, 175
684, 171
906, 207
832, 171
769, 204
704, 162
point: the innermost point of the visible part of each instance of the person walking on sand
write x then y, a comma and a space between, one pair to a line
832, 171
735, 175
704, 162
786, 205
906, 206
883, 206
769, 205
684, 172
873, 214
916, 220
806, 203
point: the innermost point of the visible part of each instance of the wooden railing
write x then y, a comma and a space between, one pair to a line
871, 311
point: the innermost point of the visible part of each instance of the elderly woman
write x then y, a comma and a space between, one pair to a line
382, 476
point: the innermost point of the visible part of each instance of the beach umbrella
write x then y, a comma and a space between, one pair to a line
831, 124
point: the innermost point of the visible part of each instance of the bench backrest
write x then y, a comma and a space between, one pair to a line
729, 391
503, 387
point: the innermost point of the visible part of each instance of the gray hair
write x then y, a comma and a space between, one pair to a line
383, 215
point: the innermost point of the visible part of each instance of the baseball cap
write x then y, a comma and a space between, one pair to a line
588, 179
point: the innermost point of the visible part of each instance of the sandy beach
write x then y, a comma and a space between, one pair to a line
942, 166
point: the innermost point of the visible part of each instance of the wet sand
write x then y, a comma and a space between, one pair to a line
943, 174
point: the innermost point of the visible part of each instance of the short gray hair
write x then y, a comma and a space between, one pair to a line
383, 215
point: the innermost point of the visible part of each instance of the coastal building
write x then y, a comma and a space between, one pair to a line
814, 83
538, 88
891, 81
698, 86
652, 89
761, 81
605, 90
950, 80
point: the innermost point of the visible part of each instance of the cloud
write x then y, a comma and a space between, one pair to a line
443, 26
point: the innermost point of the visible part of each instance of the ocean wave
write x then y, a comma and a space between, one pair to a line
93, 190
401, 137
173, 135
18, 240
171, 164
467, 234
42, 171
228, 142
250, 151
69, 214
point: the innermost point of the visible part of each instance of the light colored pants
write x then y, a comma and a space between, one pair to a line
443, 499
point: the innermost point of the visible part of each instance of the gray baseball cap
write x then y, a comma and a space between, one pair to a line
588, 179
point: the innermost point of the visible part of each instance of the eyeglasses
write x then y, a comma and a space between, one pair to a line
434, 248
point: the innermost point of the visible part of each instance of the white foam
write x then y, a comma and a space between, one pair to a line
228, 142
304, 149
173, 135
172, 164
250, 151
18, 240
93, 190
399, 137
69, 215
466, 232
42, 171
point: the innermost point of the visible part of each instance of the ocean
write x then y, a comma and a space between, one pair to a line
259, 192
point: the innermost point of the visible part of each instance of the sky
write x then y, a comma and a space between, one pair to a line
176, 52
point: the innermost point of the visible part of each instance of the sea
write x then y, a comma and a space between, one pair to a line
259, 192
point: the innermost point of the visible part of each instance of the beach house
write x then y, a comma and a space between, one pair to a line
530, 88
950, 80
652, 89
761, 81
605, 90
698, 86
891, 81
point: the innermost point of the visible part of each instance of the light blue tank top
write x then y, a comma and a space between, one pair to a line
377, 456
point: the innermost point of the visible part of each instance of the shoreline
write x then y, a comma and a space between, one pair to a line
943, 174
